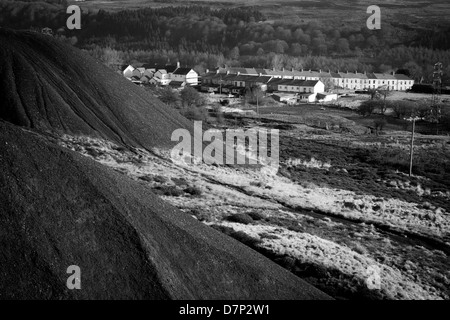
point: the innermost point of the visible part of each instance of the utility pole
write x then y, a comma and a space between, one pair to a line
436, 97
257, 106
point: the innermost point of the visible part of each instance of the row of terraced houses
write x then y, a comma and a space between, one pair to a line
345, 80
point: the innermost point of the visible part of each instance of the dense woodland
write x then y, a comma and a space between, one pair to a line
205, 38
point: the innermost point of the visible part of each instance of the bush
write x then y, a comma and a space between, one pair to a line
169, 191
266, 235
160, 179
256, 215
240, 218
191, 98
368, 107
402, 109
180, 181
238, 235
169, 96
194, 191
146, 178
195, 113
245, 238
200, 215
379, 124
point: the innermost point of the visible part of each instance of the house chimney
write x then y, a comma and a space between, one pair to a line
393, 73
283, 69
347, 71
302, 69
238, 73
178, 64
228, 72
292, 70
273, 69
207, 70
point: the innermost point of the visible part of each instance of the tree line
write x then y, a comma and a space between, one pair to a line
206, 38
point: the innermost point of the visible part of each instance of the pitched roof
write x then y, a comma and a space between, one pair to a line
310, 83
384, 76
400, 76
125, 66
170, 69
182, 71
353, 75
297, 83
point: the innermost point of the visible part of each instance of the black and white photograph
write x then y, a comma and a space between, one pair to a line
241, 152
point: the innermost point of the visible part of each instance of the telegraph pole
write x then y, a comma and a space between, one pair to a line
436, 97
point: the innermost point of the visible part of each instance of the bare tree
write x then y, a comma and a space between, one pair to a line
384, 93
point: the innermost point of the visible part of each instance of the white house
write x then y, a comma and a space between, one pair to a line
161, 77
148, 73
301, 86
138, 72
128, 71
187, 75
403, 82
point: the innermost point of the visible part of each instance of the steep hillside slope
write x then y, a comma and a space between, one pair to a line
50, 86
59, 209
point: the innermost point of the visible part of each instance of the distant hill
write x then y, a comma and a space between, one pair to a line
50, 86
59, 208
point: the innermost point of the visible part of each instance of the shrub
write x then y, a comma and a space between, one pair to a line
368, 107
257, 184
360, 249
180, 181
238, 235
169, 96
160, 179
240, 218
379, 124
146, 178
266, 235
200, 215
194, 191
169, 191
245, 238
402, 108
93, 152
256, 215
119, 148
289, 224
195, 113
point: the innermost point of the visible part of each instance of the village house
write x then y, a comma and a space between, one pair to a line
187, 75
127, 71
403, 82
162, 75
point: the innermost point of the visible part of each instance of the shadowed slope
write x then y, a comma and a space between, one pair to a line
50, 86
59, 209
